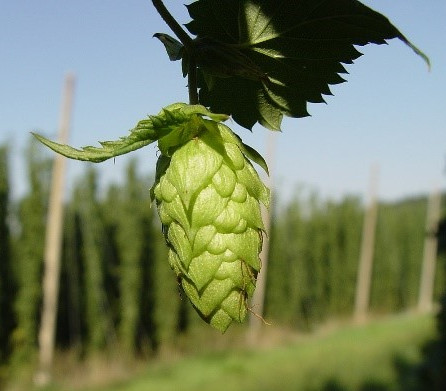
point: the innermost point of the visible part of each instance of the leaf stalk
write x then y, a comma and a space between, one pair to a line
187, 41
192, 81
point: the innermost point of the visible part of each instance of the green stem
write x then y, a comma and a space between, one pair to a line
172, 23
192, 81
188, 45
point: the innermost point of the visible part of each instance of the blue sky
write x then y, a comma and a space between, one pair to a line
391, 112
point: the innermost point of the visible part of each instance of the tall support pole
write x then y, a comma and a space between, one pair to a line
53, 244
425, 298
258, 299
364, 277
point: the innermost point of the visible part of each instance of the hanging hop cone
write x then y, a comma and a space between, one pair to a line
208, 197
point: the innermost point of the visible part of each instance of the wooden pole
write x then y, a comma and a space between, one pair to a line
364, 277
53, 244
425, 298
258, 299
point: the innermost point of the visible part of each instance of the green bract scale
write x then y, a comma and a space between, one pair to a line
208, 197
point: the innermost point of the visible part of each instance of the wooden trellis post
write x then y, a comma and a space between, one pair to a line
425, 298
53, 245
364, 278
258, 299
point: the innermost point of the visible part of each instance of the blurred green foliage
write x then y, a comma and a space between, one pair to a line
7, 283
27, 256
315, 247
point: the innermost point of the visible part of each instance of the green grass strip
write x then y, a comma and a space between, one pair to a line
375, 356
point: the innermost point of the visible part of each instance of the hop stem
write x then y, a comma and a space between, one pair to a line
187, 42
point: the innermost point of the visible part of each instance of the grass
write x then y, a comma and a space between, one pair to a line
372, 357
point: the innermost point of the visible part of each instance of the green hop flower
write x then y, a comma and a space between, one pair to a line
208, 196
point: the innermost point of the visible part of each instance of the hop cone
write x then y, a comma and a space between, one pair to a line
208, 197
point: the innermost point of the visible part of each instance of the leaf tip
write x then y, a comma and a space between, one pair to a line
417, 51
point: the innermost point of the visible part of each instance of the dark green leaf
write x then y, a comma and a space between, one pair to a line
279, 54
174, 48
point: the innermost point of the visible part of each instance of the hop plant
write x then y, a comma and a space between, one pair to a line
256, 61
208, 196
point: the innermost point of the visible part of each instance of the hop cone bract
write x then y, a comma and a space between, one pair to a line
208, 197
